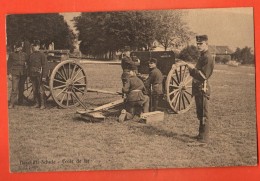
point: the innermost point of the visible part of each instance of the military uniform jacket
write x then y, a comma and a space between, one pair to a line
127, 63
155, 79
38, 64
134, 88
16, 64
201, 73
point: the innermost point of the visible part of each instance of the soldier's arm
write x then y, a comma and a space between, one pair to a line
202, 74
9, 63
126, 87
44, 63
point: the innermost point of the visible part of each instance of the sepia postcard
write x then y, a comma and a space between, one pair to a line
69, 102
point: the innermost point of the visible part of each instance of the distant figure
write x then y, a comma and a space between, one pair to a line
154, 84
38, 73
201, 88
17, 73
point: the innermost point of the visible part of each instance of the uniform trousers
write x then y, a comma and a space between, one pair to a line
137, 107
202, 114
38, 90
17, 88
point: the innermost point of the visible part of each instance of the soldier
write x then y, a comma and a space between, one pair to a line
128, 63
17, 73
201, 88
38, 74
154, 84
136, 101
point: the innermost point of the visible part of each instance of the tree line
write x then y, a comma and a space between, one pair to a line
242, 55
108, 32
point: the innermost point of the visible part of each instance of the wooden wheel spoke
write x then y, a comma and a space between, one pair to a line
184, 95
74, 68
177, 101
174, 86
175, 97
79, 78
176, 82
79, 90
177, 76
173, 92
58, 87
61, 91
188, 81
183, 101
64, 70
76, 74
180, 73
184, 71
61, 75
67, 99
80, 84
63, 98
188, 93
59, 81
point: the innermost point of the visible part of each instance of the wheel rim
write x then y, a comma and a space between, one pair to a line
68, 84
28, 91
179, 88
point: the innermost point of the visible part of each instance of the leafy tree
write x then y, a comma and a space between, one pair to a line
243, 55
190, 53
105, 32
172, 31
44, 27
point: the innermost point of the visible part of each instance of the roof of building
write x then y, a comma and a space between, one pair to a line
220, 50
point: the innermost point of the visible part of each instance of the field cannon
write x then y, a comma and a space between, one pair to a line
67, 81
177, 80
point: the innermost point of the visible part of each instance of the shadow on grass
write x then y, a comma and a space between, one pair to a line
153, 131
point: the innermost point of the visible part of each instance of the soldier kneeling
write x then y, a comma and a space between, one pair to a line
136, 101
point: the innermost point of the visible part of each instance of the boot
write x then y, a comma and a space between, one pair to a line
42, 101
11, 106
37, 104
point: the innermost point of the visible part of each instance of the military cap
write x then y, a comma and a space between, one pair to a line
201, 38
127, 48
36, 42
18, 44
153, 60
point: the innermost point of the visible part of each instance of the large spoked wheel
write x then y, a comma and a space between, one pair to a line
179, 88
28, 91
68, 84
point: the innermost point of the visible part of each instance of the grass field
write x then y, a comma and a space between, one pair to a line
57, 140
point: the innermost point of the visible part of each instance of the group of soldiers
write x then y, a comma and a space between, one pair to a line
21, 65
136, 90
141, 95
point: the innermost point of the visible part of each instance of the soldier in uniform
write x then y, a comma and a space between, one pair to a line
154, 84
127, 63
17, 73
136, 101
38, 74
201, 88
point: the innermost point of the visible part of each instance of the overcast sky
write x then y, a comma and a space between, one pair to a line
233, 27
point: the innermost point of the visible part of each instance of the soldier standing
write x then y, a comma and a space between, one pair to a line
136, 101
154, 84
38, 74
17, 73
201, 88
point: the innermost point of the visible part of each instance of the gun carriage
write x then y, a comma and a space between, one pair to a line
67, 82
